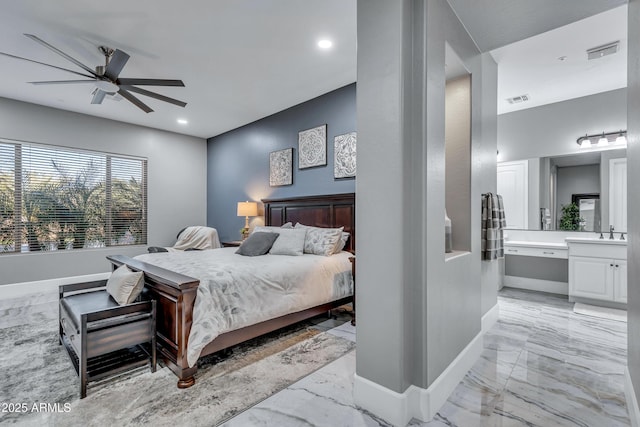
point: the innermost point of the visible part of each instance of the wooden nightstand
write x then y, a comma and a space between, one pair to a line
231, 244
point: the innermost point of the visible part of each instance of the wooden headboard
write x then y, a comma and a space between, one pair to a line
331, 210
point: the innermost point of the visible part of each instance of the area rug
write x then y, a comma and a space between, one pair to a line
600, 312
37, 370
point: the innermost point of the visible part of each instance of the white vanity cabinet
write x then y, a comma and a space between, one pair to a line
598, 269
620, 281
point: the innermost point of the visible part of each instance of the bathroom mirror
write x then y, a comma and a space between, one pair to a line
590, 186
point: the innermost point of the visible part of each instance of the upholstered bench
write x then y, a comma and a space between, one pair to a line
102, 337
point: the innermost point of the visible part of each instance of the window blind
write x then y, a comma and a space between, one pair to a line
54, 198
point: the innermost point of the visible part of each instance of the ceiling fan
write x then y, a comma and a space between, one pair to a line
106, 77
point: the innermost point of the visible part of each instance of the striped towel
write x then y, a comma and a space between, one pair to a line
493, 222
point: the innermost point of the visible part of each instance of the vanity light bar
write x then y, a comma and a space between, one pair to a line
603, 139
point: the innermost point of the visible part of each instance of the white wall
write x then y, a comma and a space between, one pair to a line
176, 191
552, 130
633, 176
432, 308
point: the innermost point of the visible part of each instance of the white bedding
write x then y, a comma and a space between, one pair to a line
237, 291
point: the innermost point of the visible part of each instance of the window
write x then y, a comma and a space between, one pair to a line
54, 198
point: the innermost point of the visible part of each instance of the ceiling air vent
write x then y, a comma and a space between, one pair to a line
518, 99
604, 50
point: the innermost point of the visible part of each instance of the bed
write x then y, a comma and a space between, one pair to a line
175, 293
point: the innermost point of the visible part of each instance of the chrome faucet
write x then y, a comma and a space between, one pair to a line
611, 232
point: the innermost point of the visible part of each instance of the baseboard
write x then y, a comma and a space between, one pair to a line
416, 402
18, 290
387, 404
550, 286
632, 401
490, 318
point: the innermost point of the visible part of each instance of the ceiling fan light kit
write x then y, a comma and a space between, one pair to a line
106, 77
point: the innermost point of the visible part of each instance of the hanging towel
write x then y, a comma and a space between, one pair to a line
493, 222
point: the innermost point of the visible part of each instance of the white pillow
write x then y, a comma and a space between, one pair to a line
124, 285
341, 243
320, 241
289, 242
271, 228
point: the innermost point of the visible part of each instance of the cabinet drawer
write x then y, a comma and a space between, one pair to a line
599, 251
537, 252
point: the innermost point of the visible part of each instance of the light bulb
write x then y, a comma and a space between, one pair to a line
621, 139
603, 141
586, 143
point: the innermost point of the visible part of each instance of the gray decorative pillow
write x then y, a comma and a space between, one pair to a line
258, 243
289, 242
125, 285
320, 241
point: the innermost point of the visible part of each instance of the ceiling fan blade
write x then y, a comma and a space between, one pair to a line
116, 64
62, 82
153, 95
98, 96
61, 53
47, 65
135, 101
150, 82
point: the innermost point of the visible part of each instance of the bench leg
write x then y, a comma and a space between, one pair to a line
82, 368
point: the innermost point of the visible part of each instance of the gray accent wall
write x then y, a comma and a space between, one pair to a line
176, 188
238, 161
431, 309
633, 195
552, 130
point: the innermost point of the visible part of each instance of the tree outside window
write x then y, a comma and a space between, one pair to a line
58, 199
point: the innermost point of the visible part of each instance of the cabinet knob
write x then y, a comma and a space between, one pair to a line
610, 265
617, 265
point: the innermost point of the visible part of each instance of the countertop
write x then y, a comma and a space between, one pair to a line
590, 240
542, 245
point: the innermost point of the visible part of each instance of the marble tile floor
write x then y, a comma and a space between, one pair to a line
542, 365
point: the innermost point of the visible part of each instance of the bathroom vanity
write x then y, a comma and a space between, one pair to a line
597, 269
538, 260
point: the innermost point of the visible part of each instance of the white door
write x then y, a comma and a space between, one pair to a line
591, 277
513, 184
620, 281
617, 195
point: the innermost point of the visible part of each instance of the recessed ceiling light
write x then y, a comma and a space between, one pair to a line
325, 44
182, 121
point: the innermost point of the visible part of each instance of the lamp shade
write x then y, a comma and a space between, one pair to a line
247, 209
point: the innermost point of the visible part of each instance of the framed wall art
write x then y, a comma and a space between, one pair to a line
281, 167
344, 155
312, 147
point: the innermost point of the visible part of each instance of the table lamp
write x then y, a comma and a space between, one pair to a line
247, 209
